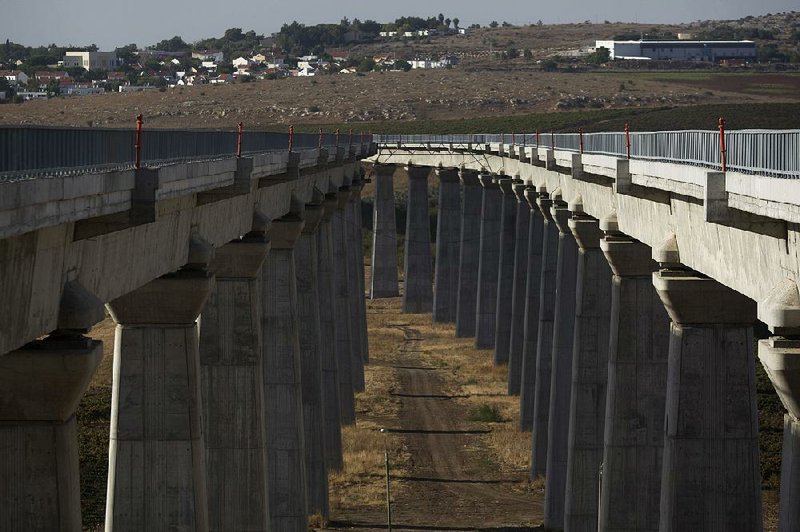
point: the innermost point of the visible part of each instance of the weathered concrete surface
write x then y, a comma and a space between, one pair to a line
358, 247
282, 380
332, 418
156, 469
505, 271
448, 237
232, 389
517, 347
384, 237
468, 254
711, 475
561, 369
341, 294
418, 278
637, 378
540, 416
40, 388
589, 375
533, 286
355, 262
309, 334
486, 303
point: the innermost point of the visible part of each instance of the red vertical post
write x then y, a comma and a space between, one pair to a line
580, 138
291, 138
628, 140
137, 145
722, 149
239, 140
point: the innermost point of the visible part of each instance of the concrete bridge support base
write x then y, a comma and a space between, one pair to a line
637, 378
328, 344
418, 278
486, 303
468, 254
711, 475
505, 268
539, 417
448, 235
231, 369
561, 369
355, 262
359, 251
309, 333
42, 384
383, 281
517, 346
533, 286
590, 370
344, 335
282, 381
156, 470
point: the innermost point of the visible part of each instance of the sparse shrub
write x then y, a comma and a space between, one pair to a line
485, 413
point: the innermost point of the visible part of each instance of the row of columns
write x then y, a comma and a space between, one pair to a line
635, 374
232, 378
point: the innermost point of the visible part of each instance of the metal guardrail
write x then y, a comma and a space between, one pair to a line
30, 151
774, 153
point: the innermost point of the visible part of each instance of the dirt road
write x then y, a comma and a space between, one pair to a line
452, 481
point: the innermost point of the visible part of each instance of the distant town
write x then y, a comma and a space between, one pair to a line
30, 73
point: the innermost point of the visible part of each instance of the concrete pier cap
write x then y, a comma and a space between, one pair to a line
469, 177
560, 212
79, 309
585, 229
780, 354
627, 256
487, 180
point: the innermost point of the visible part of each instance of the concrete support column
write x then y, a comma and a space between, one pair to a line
157, 459
589, 374
344, 336
486, 304
637, 378
383, 281
310, 333
355, 263
711, 476
561, 369
468, 254
519, 286
418, 278
332, 417
41, 385
282, 379
448, 236
362, 298
540, 418
232, 387
533, 287
780, 356
505, 268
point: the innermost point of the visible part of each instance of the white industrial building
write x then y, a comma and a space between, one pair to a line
680, 50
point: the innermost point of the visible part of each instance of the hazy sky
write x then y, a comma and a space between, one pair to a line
112, 23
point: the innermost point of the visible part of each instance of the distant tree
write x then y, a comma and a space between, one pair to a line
511, 53
447, 22
441, 18
367, 64
493, 24
127, 53
402, 65
550, 65
539, 22
474, 26
233, 34
175, 44
455, 22
600, 56
506, 24
53, 88
527, 54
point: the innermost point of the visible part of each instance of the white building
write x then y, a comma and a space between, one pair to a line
32, 95
240, 62
15, 77
217, 57
91, 60
712, 51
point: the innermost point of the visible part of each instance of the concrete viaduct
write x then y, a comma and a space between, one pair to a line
621, 293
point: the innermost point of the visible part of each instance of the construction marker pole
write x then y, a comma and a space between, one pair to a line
580, 138
137, 145
628, 140
388, 491
320, 138
239, 141
552, 140
722, 149
337, 138
350, 140
536, 133
291, 138
513, 138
